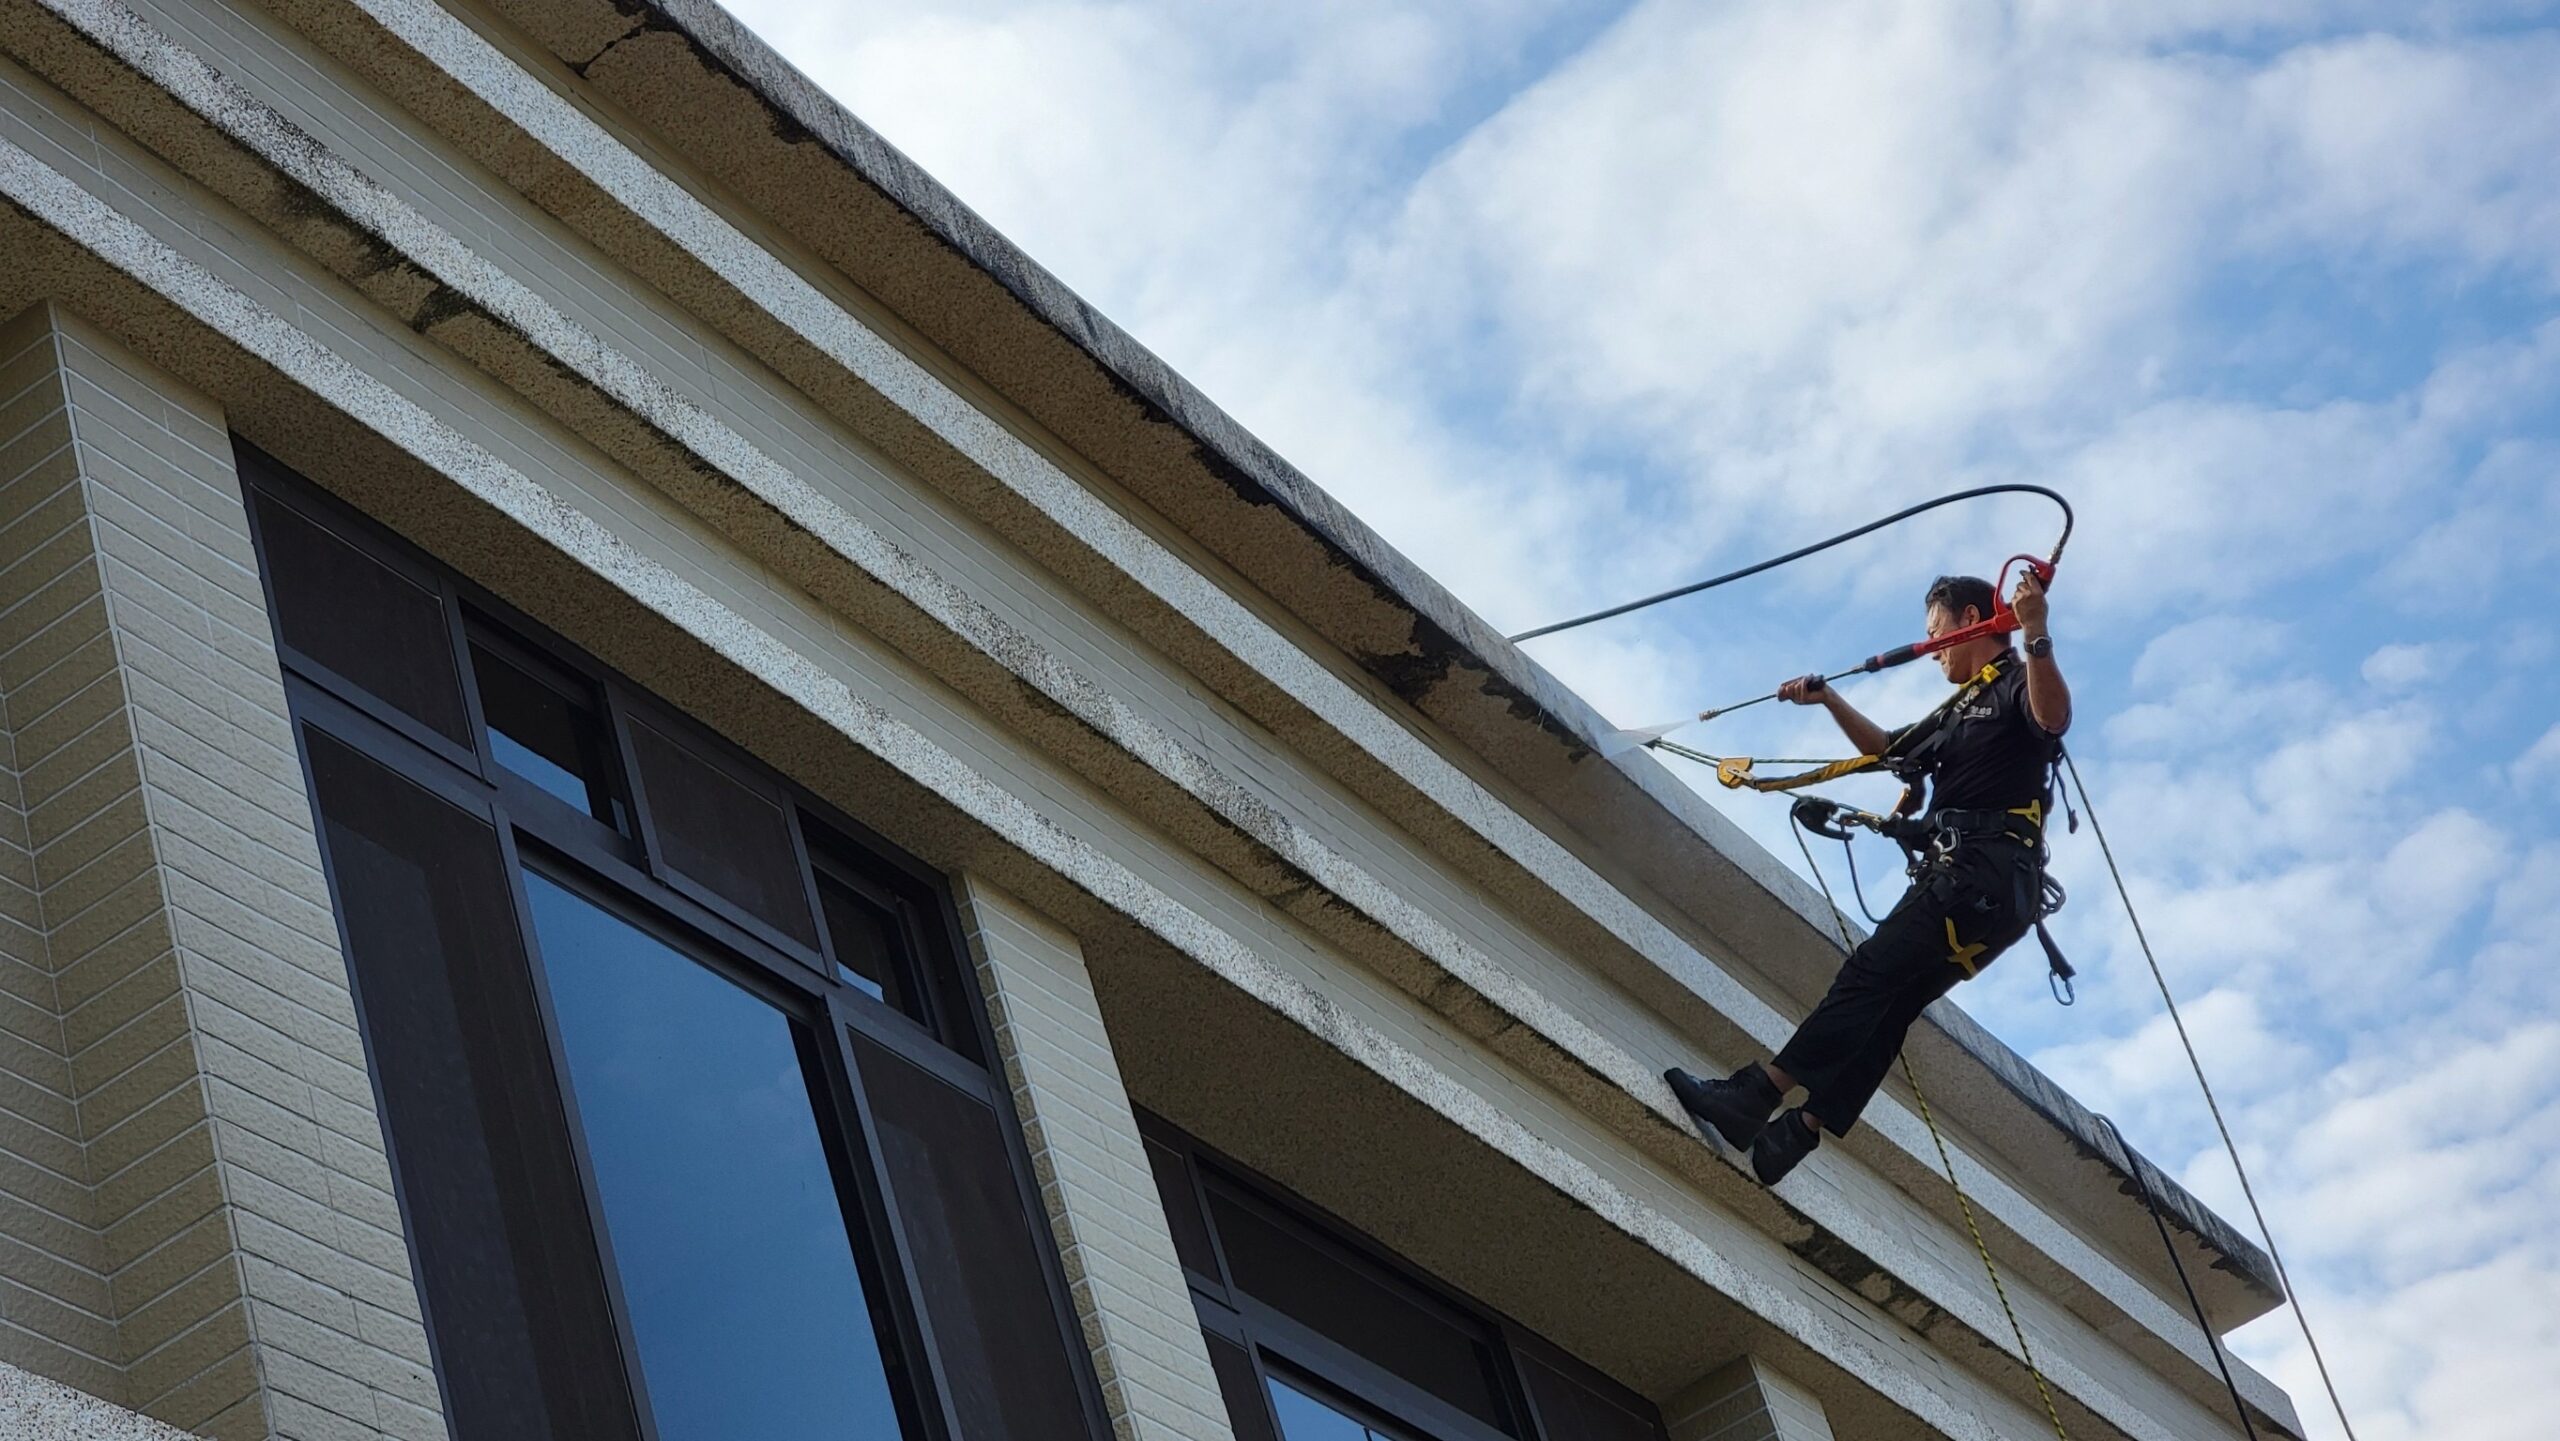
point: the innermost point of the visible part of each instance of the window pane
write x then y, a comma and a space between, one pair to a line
524, 1342
541, 733
1572, 1409
372, 625
870, 944
1247, 1409
747, 1304
1182, 1208
1304, 1418
887, 929
1356, 1305
722, 834
977, 1260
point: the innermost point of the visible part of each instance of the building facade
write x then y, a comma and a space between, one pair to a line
650, 789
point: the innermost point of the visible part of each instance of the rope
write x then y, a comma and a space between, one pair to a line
1849, 853
2204, 1323
1989, 1269
2026, 1353
2211, 1104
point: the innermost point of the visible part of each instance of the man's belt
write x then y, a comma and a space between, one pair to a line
2026, 823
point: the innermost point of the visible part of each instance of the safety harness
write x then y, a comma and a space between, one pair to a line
1908, 757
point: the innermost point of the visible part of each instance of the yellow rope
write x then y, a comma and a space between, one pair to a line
2025, 1352
1989, 1269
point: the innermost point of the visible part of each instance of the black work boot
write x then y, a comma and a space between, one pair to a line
1736, 1107
1782, 1143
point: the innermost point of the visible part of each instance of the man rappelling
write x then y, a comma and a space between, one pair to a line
1977, 887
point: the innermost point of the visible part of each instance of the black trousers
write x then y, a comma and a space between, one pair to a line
1959, 914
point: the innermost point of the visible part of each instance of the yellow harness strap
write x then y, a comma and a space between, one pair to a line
1961, 954
1735, 771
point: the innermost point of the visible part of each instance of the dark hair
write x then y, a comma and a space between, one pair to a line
1955, 592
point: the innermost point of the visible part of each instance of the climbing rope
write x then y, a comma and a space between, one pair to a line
2204, 1323
2026, 1353
2211, 1103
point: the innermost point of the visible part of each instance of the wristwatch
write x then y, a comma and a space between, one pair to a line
2040, 647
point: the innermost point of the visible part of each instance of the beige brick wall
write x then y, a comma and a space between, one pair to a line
196, 1218
1748, 1400
1092, 1168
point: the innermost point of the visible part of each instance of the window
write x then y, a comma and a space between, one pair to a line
695, 1099
1305, 1412
878, 926
683, 1078
1317, 1336
546, 726
350, 615
971, 1243
718, 830
480, 1151
1361, 1307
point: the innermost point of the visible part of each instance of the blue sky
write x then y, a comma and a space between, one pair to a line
1576, 301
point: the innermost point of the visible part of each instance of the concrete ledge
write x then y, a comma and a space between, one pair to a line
35, 1409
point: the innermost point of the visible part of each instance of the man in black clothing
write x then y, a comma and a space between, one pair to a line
1987, 755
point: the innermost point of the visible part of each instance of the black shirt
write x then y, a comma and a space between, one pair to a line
1993, 755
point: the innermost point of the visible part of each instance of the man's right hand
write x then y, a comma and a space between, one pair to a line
1804, 690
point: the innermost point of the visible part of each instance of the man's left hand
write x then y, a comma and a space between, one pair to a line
2029, 604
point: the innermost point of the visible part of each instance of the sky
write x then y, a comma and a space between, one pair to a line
1575, 301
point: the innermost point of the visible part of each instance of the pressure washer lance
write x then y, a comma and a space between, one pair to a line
2002, 621
1624, 741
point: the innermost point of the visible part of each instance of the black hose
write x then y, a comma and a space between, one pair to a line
1815, 548
2133, 1167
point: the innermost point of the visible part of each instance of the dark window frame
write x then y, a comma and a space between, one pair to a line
573, 687
842, 1112
701, 744
329, 515
623, 870
1265, 1335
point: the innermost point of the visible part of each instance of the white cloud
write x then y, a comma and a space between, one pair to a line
2404, 666
2390, 146
2539, 767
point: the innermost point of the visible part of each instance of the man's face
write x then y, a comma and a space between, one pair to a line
1940, 622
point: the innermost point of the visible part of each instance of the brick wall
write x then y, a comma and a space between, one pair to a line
193, 1188
1747, 1400
1095, 1184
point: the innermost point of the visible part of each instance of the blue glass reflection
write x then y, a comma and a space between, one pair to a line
539, 769
746, 1305
1304, 1418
